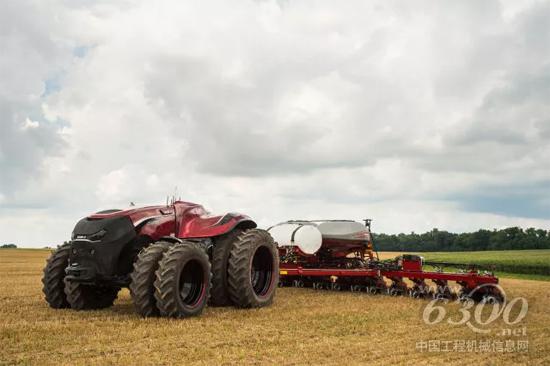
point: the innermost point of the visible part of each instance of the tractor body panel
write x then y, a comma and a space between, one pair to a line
104, 244
210, 226
183, 220
96, 247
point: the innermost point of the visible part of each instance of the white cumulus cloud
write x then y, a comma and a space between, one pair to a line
419, 115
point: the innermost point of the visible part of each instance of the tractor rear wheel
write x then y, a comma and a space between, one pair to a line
253, 270
182, 285
142, 288
219, 295
87, 297
54, 274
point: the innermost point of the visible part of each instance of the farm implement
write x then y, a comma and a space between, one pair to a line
339, 255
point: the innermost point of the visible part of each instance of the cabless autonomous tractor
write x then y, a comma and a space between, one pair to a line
175, 259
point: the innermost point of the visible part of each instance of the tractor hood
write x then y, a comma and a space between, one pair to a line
180, 219
107, 229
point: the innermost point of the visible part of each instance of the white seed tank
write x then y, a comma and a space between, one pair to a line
308, 235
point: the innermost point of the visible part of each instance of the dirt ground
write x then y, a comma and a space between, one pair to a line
303, 326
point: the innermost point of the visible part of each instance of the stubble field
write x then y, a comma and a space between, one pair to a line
302, 327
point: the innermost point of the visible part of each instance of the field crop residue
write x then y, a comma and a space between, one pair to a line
303, 326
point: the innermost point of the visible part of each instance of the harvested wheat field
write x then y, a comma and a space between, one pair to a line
302, 327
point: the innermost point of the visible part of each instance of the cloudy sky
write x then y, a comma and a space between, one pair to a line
417, 114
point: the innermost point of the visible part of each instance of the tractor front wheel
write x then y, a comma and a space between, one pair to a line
143, 277
182, 285
87, 297
54, 275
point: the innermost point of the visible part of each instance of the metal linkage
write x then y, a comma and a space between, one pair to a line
475, 286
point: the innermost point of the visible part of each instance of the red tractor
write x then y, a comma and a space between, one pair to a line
174, 258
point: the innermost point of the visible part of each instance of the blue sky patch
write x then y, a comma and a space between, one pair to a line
52, 85
81, 51
528, 201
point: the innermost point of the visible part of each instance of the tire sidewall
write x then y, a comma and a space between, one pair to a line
148, 260
190, 310
221, 253
268, 243
55, 295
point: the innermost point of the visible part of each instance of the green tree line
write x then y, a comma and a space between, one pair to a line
444, 241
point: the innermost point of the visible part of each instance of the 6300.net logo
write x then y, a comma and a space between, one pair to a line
474, 314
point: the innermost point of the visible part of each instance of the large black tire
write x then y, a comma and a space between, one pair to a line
253, 270
88, 297
219, 296
182, 285
142, 285
54, 274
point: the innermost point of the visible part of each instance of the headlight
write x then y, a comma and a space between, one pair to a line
93, 237
97, 236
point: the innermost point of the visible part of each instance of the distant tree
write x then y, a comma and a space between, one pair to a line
439, 240
8, 246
